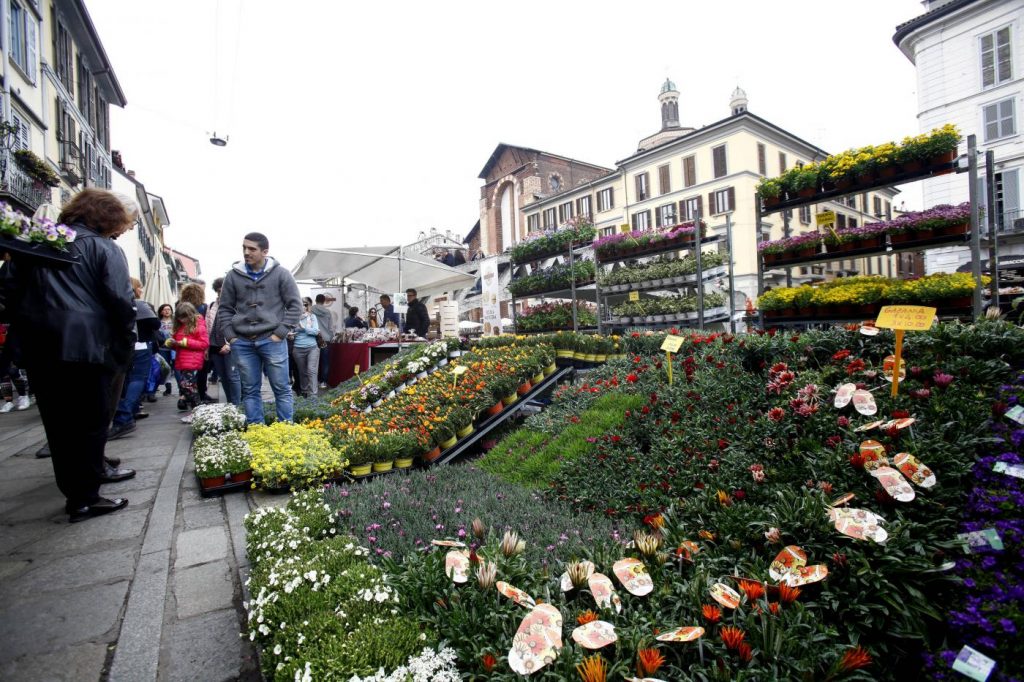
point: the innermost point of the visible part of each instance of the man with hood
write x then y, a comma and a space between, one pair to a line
259, 306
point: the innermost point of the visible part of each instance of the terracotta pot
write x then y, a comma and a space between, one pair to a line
913, 166
808, 252
902, 237
788, 312
923, 234
873, 243
951, 230
807, 192
212, 481
867, 309
241, 476
772, 313
844, 309
958, 302
865, 178
495, 409
432, 455
771, 201
805, 312
943, 159
889, 171
771, 257
844, 183
524, 388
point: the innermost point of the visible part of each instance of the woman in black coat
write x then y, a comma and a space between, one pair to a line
76, 327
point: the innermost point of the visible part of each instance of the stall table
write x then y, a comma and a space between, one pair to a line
345, 356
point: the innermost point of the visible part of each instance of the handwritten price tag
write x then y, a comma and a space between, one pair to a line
459, 370
672, 344
906, 317
634, 295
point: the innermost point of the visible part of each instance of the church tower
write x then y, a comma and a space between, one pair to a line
738, 102
669, 99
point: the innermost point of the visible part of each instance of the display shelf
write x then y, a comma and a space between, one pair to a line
564, 292
711, 315
659, 285
36, 253
687, 245
889, 248
551, 254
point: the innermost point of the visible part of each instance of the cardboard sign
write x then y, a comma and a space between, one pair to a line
459, 369
672, 344
907, 317
979, 541
1015, 470
537, 641
683, 634
634, 295
973, 664
634, 576
595, 634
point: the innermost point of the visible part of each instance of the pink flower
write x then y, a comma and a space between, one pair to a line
942, 380
772, 534
843, 421
776, 414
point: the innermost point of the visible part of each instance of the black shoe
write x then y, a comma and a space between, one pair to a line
213, 380
207, 400
141, 415
167, 389
151, 398
43, 451
182, 405
98, 508
112, 475
120, 430
112, 461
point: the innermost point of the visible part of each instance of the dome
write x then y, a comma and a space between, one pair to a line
738, 93
668, 86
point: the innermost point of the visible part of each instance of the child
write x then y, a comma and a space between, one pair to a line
190, 342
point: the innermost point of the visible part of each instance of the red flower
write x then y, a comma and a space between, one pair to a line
648, 661
615, 439
739, 495
488, 662
854, 659
840, 356
855, 366
631, 377
774, 608
833, 441
843, 422
754, 590
787, 594
722, 444
857, 461
776, 414
900, 414
731, 636
744, 651
711, 613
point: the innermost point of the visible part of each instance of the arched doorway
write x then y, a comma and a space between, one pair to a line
509, 216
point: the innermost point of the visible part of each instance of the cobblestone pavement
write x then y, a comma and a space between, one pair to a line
152, 592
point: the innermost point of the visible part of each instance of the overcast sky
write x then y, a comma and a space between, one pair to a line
363, 123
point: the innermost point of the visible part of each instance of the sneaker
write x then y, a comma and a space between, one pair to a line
6, 407
323, 384
22, 403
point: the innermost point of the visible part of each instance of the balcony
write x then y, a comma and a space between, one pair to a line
1008, 224
17, 187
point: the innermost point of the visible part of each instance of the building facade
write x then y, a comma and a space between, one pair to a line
968, 55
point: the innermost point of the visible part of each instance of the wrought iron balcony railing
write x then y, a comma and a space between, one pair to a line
18, 186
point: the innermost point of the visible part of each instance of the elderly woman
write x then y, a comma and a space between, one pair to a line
77, 332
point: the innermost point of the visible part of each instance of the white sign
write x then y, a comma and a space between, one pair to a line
450, 319
490, 292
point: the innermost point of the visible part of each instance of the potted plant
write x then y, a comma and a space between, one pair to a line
444, 436
222, 458
804, 180
770, 191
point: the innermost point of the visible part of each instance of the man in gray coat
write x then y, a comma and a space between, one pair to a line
259, 305
325, 321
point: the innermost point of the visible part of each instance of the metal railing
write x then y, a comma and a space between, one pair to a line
1008, 223
21, 187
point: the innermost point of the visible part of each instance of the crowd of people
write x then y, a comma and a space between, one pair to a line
88, 326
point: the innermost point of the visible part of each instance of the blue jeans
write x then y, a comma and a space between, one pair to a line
254, 359
134, 385
226, 369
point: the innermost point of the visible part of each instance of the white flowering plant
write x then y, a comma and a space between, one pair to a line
217, 418
220, 454
427, 666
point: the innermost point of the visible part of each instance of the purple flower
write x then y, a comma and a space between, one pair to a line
942, 380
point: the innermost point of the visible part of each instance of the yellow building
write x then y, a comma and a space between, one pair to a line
714, 170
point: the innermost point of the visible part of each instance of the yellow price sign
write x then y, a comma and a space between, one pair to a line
915, 318
355, 370
624, 228
459, 369
825, 218
634, 295
672, 343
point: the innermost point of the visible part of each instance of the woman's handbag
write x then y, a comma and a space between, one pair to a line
321, 342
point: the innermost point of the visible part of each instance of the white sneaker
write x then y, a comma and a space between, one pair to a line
323, 384
22, 403
6, 407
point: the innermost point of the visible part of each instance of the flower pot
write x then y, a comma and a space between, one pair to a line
432, 455
524, 388
390, 395
421, 375
601, 357
454, 353
550, 369
844, 182
807, 311
576, 355
376, 403
809, 252
920, 235
956, 302
867, 309
872, 243
360, 469
538, 377
591, 357
806, 192
943, 159
901, 237
403, 462
952, 230
448, 443
494, 409
465, 431
240, 476
442, 362
212, 481
510, 399
913, 166
383, 466
865, 178
770, 257
844, 309
563, 353
771, 201
889, 171
788, 312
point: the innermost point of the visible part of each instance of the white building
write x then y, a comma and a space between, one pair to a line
148, 260
970, 72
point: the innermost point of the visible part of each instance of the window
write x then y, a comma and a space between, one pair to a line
564, 212
23, 40
782, 163
718, 156
689, 171
606, 199
722, 200
762, 161
533, 223
664, 181
851, 201
642, 187
62, 53
85, 92
691, 207
555, 182
840, 220
853, 222
22, 139
878, 206
665, 215
995, 58
583, 207
805, 215
549, 218
642, 220
888, 211
999, 120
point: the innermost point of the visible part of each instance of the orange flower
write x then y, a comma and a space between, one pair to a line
592, 669
854, 659
753, 589
744, 652
488, 662
774, 608
706, 535
648, 661
731, 636
587, 616
712, 613
724, 498
787, 594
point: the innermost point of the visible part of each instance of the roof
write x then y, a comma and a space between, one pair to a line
668, 86
188, 263
500, 149
88, 41
907, 27
472, 233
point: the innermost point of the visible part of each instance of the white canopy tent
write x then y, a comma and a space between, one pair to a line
381, 267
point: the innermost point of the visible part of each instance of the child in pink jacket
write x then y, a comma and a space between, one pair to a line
189, 342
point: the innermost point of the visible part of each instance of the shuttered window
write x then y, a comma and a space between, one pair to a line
782, 163
549, 218
722, 200
642, 220
762, 160
665, 215
533, 222
583, 207
689, 171
664, 181
564, 212
689, 208
999, 120
606, 199
22, 139
718, 157
643, 187
996, 62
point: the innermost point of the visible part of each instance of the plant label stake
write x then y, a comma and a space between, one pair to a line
355, 371
634, 295
458, 371
671, 345
903, 318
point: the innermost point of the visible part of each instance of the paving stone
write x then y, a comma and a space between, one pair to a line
203, 515
73, 663
46, 622
16, 537
78, 537
73, 571
33, 484
205, 648
149, 478
200, 546
11, 568
205, 588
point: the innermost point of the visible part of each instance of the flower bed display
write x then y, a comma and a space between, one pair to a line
861, 167
210, 420
547, 317
286, 455
576, 232
665, 271
861, 296
554, 278
916, 226
645, 242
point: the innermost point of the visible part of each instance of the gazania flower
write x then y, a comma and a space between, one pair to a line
774, 608
655, 521
754, 590
489, 662
648, 661
787, 594
724, 498
511, 545
744, 651
587, 616
711, 613
731, 636
776, 414
706, 535
854, 659
592, 669
647, 543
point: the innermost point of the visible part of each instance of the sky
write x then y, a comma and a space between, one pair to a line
353, 124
